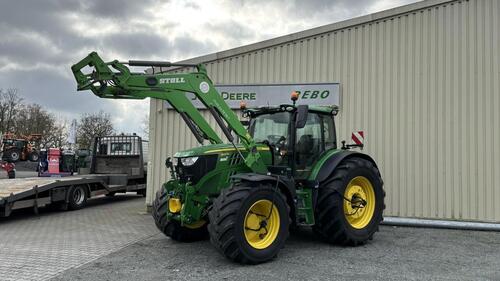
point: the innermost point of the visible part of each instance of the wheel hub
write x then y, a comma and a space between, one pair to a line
359, 202
261, 225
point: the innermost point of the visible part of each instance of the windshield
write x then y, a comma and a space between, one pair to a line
271, 127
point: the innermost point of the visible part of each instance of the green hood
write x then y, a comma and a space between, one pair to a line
215, 149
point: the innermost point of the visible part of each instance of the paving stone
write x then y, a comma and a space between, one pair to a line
40, 247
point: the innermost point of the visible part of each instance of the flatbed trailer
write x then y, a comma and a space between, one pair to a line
112, 171
40, 192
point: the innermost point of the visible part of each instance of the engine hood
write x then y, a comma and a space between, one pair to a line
223, 148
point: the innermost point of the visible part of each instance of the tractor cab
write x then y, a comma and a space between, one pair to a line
297, 135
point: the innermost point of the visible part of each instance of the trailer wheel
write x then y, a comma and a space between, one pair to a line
77, 197
172, 228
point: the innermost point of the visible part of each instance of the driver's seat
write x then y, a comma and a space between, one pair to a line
304, 151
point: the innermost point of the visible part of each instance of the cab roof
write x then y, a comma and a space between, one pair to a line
322, 109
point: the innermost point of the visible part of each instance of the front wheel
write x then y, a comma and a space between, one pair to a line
13, 155
173, 229
350, 203
249, 224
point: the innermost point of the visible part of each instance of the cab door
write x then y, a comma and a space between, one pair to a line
317, 136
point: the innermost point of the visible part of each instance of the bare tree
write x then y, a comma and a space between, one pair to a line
91, 126
10, 104
33, 119
58, 136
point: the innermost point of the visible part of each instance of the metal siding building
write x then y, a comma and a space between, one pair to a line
422, 81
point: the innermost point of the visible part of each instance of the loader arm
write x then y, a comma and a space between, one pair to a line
115, 81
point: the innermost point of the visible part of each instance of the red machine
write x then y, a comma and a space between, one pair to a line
10, 168
56, 162
53, 157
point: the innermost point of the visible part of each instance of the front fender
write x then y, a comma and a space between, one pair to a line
284, 182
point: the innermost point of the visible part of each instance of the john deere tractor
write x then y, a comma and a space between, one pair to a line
283, 171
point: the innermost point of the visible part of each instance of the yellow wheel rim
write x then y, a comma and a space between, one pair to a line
261, 225
195, 225
359, 202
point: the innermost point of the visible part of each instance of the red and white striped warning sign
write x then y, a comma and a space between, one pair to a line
358, 137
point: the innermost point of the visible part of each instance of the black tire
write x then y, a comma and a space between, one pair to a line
34, 156
13, 155
227, 222
331, 221
173, 229
77, 197
11, 174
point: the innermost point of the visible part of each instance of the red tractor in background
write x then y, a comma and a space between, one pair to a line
20, 148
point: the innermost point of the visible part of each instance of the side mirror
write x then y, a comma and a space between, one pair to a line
168, 162
301, 117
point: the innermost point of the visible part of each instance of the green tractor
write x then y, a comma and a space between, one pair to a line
283, 171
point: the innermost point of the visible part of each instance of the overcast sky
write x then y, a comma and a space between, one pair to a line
41, 39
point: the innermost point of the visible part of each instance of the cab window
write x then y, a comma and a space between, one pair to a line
317, 136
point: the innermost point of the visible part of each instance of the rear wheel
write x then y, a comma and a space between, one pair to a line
33, 157
350, 203
249, 224
173, 229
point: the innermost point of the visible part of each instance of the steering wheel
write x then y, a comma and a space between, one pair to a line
274, 139
277, 141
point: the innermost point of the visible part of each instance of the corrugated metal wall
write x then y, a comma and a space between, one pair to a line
424, 86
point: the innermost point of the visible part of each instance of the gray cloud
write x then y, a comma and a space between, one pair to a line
135, 44
43, 38
119, 9
47, 88
233, 30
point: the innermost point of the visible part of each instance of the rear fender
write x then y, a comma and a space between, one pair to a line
335, 159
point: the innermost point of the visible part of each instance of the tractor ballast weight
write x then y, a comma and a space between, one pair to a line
285, 171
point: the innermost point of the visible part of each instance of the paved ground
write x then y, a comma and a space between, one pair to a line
19, 174
40, 247
395, 254
114, 240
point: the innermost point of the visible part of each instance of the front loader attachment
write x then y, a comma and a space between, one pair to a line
99, 76
114, 80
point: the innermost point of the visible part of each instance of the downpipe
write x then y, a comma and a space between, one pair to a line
442, 224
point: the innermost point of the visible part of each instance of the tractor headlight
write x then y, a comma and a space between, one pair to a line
188, 161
